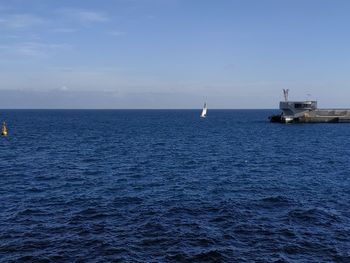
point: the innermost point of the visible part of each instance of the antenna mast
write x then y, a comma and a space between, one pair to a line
285, 93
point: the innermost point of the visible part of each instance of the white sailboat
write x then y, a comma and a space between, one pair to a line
204, 111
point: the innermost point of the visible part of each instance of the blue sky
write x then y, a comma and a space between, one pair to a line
173, 53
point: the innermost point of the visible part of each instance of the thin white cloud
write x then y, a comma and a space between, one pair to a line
89, 16
64, 30
150, 16
10, 37
33, 49
18, 21
84, 16
116, 33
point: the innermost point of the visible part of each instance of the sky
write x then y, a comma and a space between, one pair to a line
154, 54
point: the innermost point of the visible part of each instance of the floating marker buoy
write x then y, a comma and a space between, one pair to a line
4, 130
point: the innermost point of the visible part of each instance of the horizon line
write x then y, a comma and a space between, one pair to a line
135, 109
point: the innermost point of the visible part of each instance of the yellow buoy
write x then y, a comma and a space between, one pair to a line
4, 130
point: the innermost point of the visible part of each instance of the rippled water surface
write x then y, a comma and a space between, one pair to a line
167, 186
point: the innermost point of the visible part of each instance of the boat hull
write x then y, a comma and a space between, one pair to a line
310, 119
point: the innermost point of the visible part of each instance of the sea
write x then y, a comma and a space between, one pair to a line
169, 186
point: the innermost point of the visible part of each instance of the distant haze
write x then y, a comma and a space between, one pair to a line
173, 53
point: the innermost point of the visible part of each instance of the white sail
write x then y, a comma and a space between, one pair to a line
204, 111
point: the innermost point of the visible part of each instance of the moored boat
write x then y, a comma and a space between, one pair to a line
307, 112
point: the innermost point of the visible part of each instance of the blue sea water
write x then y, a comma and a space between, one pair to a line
167, 186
